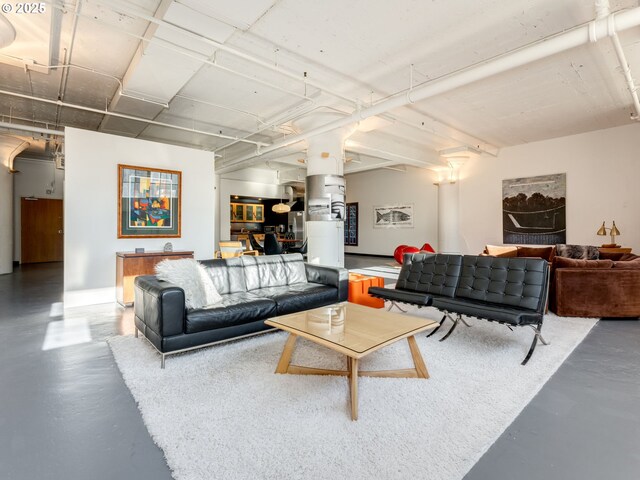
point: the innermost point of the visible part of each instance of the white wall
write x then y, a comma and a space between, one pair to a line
91, 204
603, 175
389, 187
10, 147
36, 177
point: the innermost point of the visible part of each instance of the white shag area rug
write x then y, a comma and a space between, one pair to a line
221, 412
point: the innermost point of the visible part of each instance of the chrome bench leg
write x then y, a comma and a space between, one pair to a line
457, 320
444, 317
464, 321
453, 327
392, 304
537, 335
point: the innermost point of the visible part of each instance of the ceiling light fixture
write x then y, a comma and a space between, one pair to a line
280, 207
7, 32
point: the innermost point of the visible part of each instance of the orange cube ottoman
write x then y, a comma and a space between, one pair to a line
358, 288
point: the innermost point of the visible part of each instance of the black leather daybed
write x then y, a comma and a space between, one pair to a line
511, 291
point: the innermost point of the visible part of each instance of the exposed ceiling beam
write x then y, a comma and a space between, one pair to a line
128, 117
437, 127
370, 166
397, 153
546, 47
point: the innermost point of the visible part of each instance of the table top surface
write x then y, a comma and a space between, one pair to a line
153, 253
352, 329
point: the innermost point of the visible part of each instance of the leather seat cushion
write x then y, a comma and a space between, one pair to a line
273, 270
403, 296
480, 309
235, 309
227, 274
299, 296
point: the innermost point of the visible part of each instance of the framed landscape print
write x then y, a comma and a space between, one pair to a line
534, 210
148, 202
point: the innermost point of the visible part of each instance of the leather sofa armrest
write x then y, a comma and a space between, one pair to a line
333, 276
159, 305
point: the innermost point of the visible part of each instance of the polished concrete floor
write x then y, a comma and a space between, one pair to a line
65, 412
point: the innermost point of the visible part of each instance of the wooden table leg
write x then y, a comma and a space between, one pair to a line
353, 383
285, 358
418, 361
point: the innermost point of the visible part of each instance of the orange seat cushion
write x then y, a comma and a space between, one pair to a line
359, 288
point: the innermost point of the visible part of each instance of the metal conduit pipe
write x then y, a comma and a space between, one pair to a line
177, 49
128, 117
624, 64
282, 120
180, 50
123, 8
603, 11
516, 58
224, 107
245, 56
28, 128
68, 66
65, 76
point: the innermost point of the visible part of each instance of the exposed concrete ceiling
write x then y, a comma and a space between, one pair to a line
227, 70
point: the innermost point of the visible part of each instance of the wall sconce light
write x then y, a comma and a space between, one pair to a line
450, 174
613, 231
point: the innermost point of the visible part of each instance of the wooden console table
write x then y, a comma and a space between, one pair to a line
129, 265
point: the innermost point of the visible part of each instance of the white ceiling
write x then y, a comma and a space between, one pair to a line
226, 69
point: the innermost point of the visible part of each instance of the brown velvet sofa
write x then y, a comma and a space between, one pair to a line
595, 288
547, 252
607, 287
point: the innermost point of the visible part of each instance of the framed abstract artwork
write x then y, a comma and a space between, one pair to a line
148, 202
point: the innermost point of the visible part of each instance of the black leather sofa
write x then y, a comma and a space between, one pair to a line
511, 291
253, 289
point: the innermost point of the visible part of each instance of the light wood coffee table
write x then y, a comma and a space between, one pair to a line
355, 331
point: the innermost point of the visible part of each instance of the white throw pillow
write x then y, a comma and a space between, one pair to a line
192, 277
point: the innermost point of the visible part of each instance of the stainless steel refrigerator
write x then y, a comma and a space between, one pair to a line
296, 222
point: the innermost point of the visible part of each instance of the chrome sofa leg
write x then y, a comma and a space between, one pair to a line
136, 332
162, 361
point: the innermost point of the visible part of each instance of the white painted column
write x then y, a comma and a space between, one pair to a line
448, 218
10, 147
6, 219
325, 156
